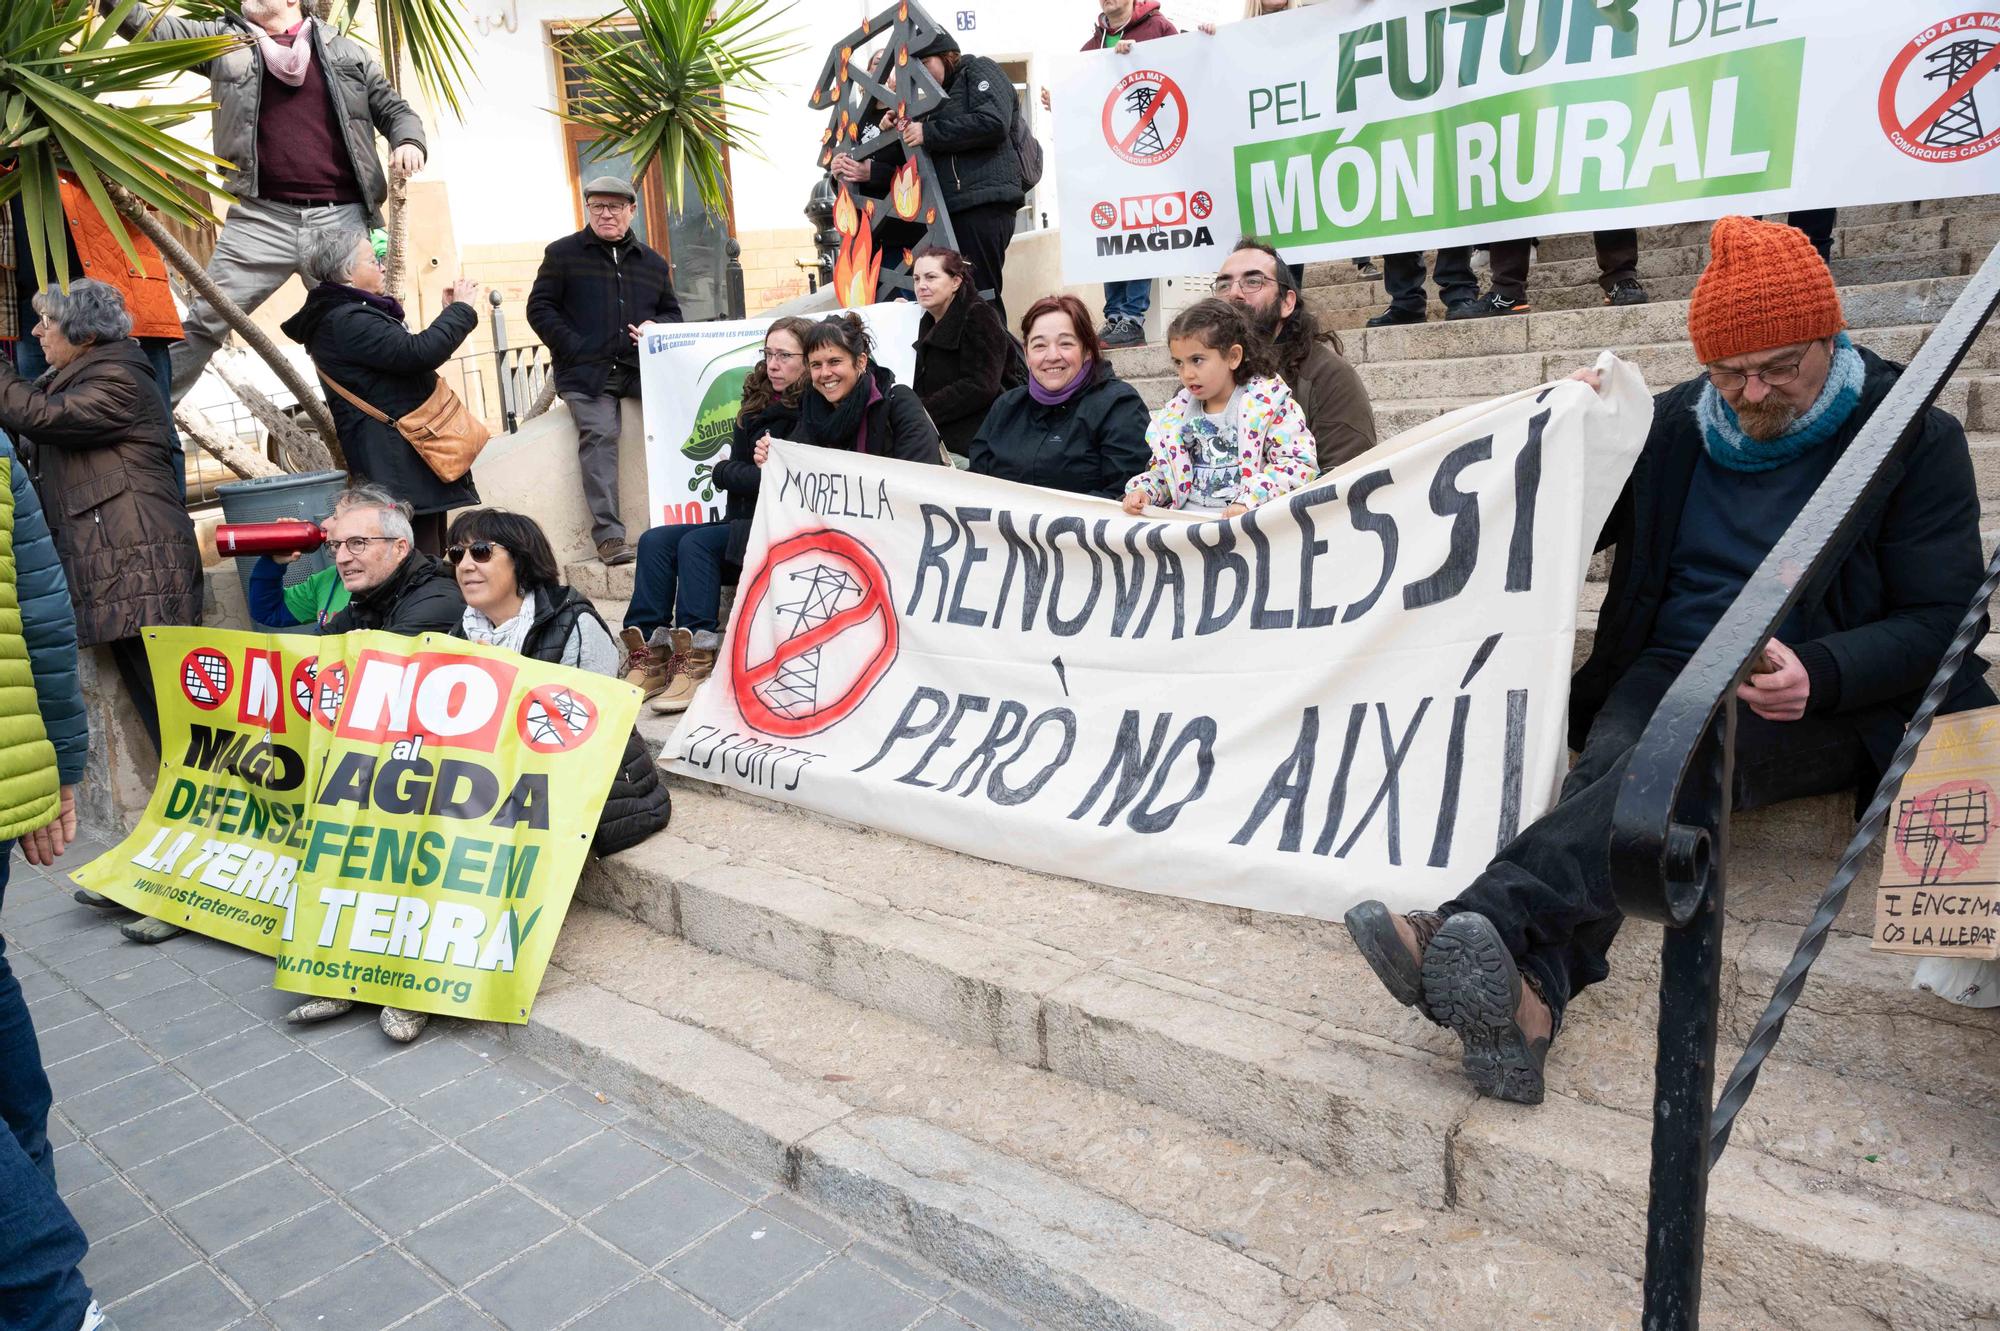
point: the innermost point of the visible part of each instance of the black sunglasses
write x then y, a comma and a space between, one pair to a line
481, 551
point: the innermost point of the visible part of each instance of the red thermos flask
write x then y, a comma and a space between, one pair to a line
269, 538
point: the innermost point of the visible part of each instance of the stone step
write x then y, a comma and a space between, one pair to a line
1271, 1031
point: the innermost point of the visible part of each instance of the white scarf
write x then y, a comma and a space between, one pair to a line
288, 63
511, 635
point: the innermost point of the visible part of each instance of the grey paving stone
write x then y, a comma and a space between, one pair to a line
524, 1136
92, 1031
203, 956
744, 1263
132, 1259
843, 1295
216, 1063
155, 1010
470, 1101
469, 1242
269, 1004
651, 1306
353, 1043
184, 1035
201, 1166
74, 1077
418, 1071
246, 1207
132, 1144
548, 1285
657, 1220
105, 1208
984, 1315
250, 1093
315, 1117
941, 1319
665, 1143
730, 1177
428, 1186
243, 977
57, 1004
377, 1291
593, 1172
127, 1098
449, 1315
349, 1159
94, 933
527, 1069
605, 1110
301, 1250
135, 980
58, 1132
40, 987
78, 1167
788, 1209
194, 1300
898, 1269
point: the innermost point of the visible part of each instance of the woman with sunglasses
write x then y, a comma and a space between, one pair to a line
673, 626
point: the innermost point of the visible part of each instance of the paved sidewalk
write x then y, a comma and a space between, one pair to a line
234, 1172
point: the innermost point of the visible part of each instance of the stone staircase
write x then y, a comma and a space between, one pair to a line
1119, 1110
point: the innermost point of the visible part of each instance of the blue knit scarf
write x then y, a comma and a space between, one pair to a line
1729, 446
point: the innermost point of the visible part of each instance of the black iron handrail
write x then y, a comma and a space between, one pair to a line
1669, 837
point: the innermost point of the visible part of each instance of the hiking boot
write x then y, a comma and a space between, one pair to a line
1394, 947
402, 1025
697, 665
319, 1009
644, 669
1367, 268
1472, 985
146, 929
1491, 304
1124, 331
96, 900
1395, 317
1625, 291
614, 552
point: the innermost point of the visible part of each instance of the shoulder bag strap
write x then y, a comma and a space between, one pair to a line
352, 400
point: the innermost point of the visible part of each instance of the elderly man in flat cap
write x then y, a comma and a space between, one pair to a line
594, 292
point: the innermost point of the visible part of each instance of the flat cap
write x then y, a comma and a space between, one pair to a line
611, 185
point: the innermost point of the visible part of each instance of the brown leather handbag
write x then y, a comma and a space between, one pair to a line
442, 431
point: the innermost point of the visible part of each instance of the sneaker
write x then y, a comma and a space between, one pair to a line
319, 1009
1465, 309
1396, 316
1124, 331
401, 1025
1493, 303
1472, 985
698, 665
1626, 292
614, 552
94, 1319
1397, 960
146, 929
1367, 268
643, 669
96, 900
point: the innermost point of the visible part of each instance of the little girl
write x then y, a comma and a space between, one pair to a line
1232, 438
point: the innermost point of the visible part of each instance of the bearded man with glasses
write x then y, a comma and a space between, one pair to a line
1733, 457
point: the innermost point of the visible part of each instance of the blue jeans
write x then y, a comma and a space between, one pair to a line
1129, 299
40, 1241
678, 578
30, 363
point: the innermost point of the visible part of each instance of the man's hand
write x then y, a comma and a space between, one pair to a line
1045, 100
1781, 694
762, 452
913, 134
406, 160
1124, 47
1208, 28
1589, 376
44, 844
846, 168
1135, 502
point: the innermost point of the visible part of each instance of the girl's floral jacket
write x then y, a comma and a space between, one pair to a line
1275, 450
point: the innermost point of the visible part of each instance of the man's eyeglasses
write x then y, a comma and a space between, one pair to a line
1249, 283
358, 545
606, 209
1774, 376
481, 552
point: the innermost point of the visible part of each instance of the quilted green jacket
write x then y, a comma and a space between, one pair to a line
44, 733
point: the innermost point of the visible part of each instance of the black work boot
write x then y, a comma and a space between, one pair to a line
1472, 985
1396, 956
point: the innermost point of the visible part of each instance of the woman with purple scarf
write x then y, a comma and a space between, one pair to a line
1075, 425
356, 337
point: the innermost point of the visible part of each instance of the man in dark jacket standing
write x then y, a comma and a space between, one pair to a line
594, 292
395, 587
1119, 24
298, 107
1734, 456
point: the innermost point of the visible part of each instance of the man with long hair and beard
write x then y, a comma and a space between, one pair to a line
1324, 385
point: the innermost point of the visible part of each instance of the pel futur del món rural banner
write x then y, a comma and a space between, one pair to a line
1353, 128
1357, 690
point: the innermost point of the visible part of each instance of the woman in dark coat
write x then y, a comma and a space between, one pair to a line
96, 429
355, 336
852, 403
964, 356
1075, 425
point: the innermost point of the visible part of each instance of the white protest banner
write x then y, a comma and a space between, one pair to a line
1358, 690
1352, 128
691, 381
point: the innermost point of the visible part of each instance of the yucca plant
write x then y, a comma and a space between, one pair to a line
668, 79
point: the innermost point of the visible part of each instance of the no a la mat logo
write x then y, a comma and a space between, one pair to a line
1145, 118
1940, 100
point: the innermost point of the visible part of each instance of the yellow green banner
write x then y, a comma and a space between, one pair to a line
394, 820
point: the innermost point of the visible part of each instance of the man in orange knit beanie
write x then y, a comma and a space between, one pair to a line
1733, 457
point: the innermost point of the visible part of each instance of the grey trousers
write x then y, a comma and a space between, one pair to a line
259, 249
596, 418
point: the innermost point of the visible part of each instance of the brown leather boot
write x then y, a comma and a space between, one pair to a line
644, 667
697, 664
1394, 946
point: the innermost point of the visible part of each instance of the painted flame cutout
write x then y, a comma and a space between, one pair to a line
845, 220
906, 191
857, 270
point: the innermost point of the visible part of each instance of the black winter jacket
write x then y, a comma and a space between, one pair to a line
421, 596
963, 364
1874, 625
898, 425
1089, 445
740, 475
583, 300
367, 351
969, 140
638, 804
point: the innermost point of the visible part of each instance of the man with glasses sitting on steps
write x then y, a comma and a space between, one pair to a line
1734, 456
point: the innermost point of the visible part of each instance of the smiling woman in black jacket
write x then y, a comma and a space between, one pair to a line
852, 403
964, 357
1075, 425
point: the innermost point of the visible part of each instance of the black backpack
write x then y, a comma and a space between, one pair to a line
1026, 147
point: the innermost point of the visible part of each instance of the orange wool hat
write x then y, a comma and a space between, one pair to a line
1765, 286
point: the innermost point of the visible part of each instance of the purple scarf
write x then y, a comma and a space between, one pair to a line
389, 305
1057, 396
874, 396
